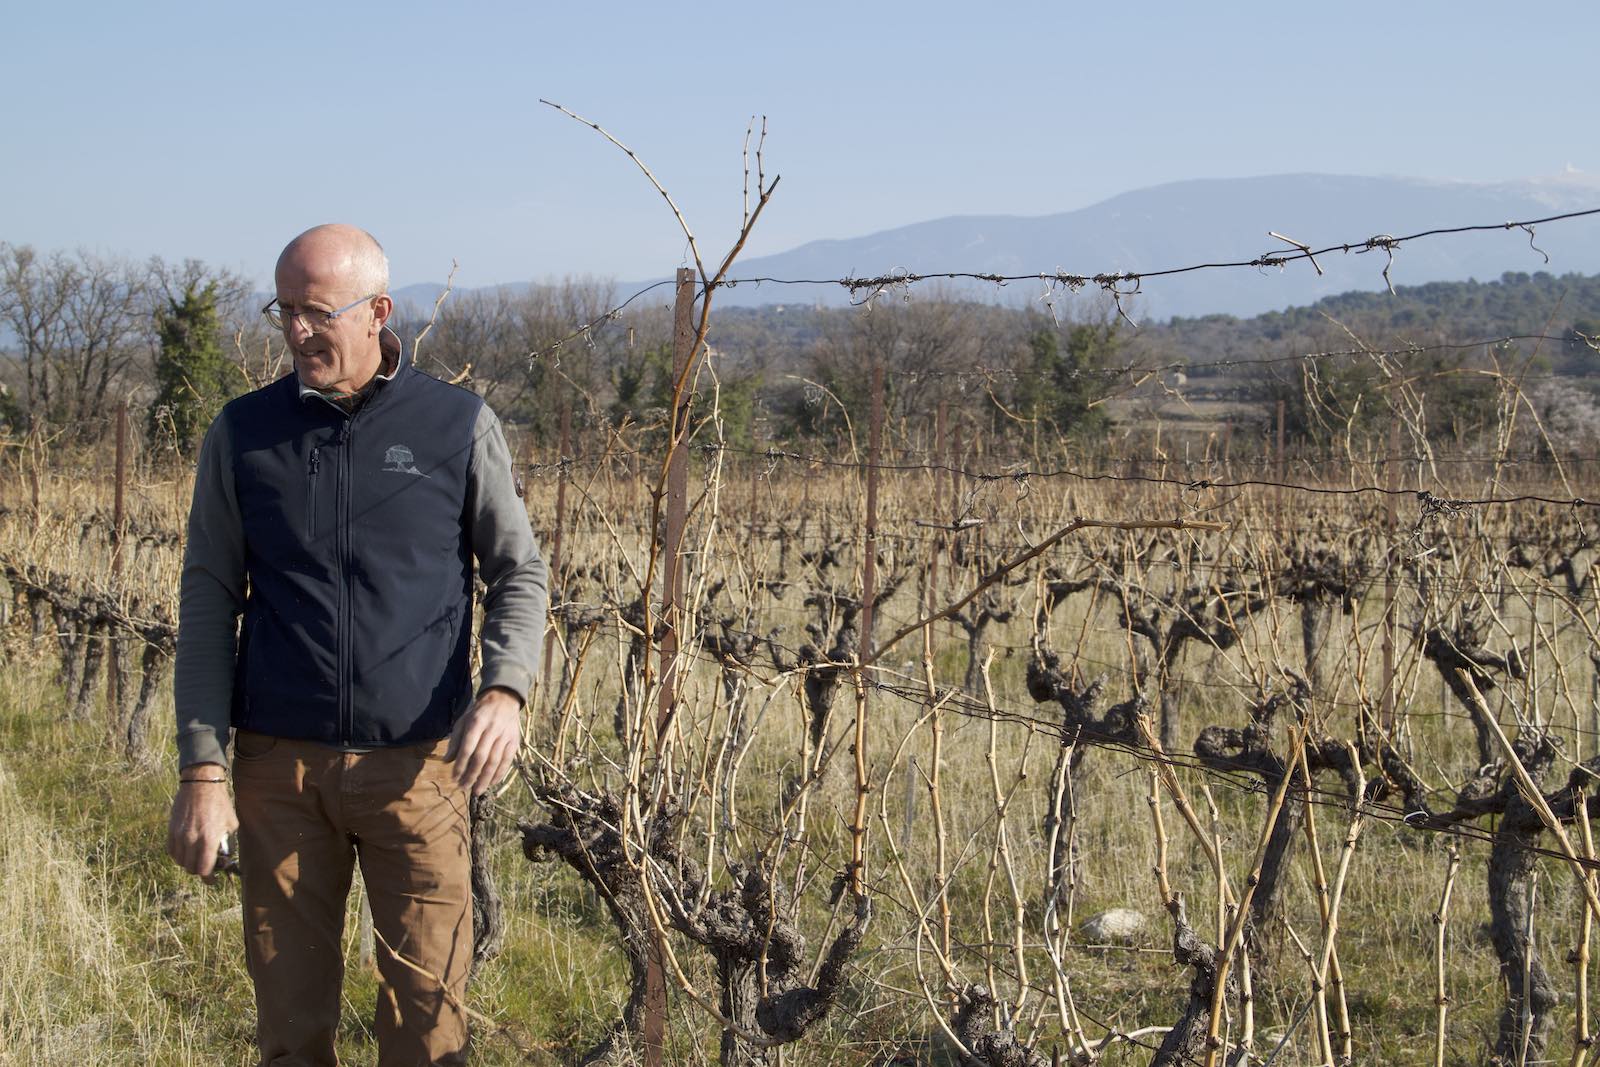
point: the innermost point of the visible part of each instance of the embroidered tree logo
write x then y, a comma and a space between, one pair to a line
399, 458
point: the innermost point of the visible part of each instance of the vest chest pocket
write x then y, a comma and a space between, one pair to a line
313, 467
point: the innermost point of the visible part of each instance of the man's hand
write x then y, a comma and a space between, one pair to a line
486, 739
202, 817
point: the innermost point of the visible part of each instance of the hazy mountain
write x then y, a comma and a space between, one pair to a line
1213, 220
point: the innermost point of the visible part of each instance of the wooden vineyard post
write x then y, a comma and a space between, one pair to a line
677, 506
655, 993
563, 457
869, 590
635, 478
869, 561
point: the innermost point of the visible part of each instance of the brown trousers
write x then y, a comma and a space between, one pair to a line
307, 812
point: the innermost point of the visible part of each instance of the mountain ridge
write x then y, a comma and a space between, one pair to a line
1205, 220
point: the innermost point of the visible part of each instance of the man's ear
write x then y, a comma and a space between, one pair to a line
382, 309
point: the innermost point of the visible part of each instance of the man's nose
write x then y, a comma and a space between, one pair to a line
295, 327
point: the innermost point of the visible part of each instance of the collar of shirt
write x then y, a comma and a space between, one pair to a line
393, 353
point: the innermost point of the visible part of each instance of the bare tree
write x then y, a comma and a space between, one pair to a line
84, 326
33, 304
106, 311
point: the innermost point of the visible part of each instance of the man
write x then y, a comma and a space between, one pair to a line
339, 510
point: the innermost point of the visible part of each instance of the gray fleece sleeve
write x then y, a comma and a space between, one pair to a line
210, 598
509, 563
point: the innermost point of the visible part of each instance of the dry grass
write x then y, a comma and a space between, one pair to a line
134, 962
74, 988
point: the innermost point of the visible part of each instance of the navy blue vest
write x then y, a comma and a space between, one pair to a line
358, 618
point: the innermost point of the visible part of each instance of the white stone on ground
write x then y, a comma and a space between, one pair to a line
1117, 924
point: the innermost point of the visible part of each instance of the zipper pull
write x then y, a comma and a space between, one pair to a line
314, 461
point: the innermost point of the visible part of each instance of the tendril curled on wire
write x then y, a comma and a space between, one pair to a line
1196, 487
1388, 243
896, 280
1432, 508
1525, 228
1024, 486
1112, 284
1048, 299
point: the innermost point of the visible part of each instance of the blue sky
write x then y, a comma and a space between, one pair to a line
219, 130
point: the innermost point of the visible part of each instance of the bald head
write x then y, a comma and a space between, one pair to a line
341, 272
344, 255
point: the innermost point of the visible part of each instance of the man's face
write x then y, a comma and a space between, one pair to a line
345, 356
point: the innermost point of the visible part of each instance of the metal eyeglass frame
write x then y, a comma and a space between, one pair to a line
314, 319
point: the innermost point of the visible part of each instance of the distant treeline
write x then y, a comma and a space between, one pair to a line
1565, 307
1000, 367
82, 333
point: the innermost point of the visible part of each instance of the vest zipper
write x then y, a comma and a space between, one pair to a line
344, 540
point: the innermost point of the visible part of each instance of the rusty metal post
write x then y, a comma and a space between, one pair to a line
34, 448
114, 680
938, 457
755, 497
1278, 477
805, 492
121, 490
958, 459
1392, 462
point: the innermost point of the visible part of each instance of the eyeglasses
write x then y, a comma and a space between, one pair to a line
313, 319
